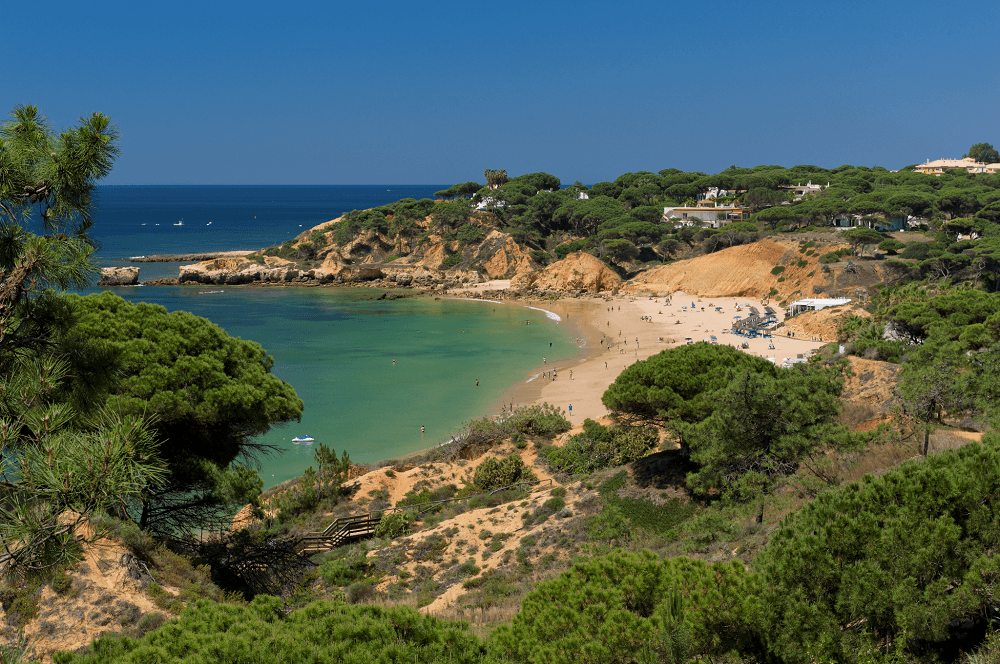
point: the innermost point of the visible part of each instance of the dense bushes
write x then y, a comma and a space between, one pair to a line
601, 447
393, 525
495, 473
544, 421
260, 632
907, 555
834, 256
344, 571
617, 608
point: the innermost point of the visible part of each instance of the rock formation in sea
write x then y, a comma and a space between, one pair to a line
119, 276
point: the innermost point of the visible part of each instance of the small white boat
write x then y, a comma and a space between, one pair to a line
302, 439
179, 223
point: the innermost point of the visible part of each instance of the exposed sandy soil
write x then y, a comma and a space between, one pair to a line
746, 271
823, 324
871, 382
106, 600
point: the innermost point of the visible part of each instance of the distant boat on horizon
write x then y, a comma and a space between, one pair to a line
179, 223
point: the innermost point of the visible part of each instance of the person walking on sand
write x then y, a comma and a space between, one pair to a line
571, 374
571, 410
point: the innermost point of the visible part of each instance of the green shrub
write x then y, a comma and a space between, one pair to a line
362, 591
545, 420
20, 603
777, 269
802, 263
494, 473
451, 261
468, 568
601, 447
834, 256
610, 525
393, 525
344, 571
425, 495
62, 584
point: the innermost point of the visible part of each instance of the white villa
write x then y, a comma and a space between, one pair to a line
707, 212
939, 166
801, 190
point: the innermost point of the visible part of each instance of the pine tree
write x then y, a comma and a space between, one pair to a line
62, 457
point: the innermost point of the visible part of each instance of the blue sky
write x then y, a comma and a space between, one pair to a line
391, 92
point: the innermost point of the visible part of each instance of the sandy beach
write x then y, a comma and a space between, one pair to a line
614, 333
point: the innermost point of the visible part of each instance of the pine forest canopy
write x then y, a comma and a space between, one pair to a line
622, 221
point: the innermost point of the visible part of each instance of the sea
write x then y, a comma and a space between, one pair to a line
335, 346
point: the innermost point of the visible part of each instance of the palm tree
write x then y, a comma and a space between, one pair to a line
495, 179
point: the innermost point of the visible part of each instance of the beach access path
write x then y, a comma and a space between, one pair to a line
622, 330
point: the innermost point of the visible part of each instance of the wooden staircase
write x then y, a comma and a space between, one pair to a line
342, 531
348, 529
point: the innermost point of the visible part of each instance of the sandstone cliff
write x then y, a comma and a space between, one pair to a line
314, 258
783, 269
577, 272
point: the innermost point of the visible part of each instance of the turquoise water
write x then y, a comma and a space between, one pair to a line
336, 350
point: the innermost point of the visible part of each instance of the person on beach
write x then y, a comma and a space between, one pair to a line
543, 361
571, 410
571, 374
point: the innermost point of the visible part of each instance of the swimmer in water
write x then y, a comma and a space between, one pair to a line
422, 429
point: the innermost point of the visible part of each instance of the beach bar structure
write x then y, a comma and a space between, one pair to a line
813, 304
756, 324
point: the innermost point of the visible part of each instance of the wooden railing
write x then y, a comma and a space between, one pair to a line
362, 526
